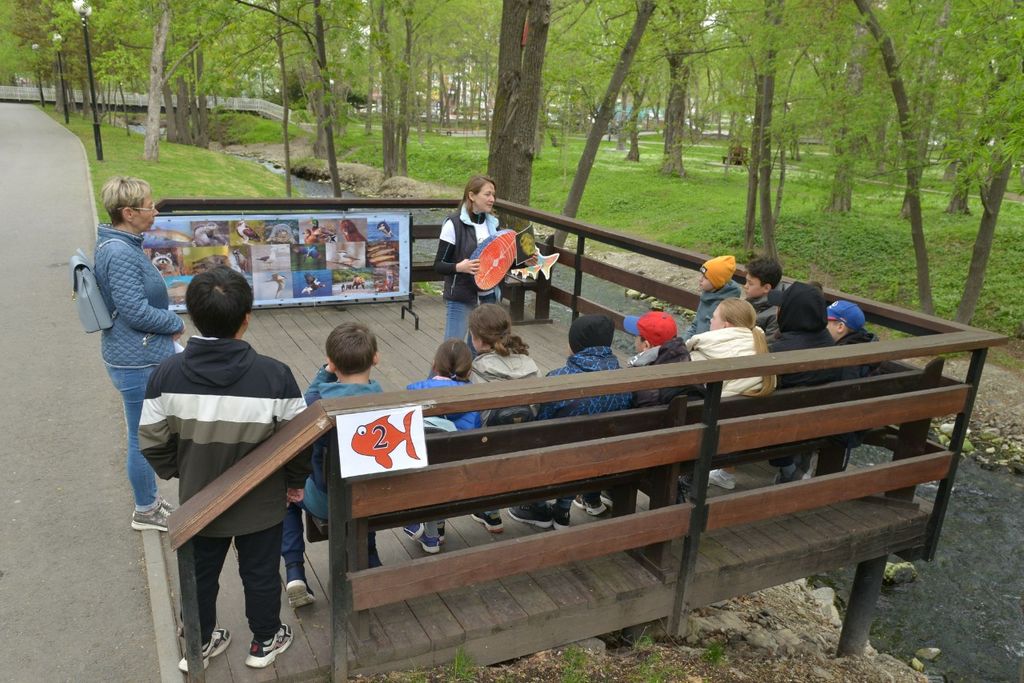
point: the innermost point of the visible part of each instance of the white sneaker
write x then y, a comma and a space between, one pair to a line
298, 594
722, 479
263, 654
218, 643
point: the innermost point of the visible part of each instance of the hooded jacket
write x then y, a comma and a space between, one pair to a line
706, 308
672, 351
767, 316
493, 367
461, 286
590, 359
208, 407
726, 342
135, 294
803, 324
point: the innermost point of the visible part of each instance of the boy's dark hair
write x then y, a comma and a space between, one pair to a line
766, 269
218, 300
351, 348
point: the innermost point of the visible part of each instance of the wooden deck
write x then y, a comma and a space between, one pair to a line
518, 615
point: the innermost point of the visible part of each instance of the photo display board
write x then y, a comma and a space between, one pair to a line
289, 259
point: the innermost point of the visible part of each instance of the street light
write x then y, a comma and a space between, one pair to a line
58, 40
39, 78
84, 10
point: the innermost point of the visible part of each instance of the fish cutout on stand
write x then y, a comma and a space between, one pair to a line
542, 265
379, 439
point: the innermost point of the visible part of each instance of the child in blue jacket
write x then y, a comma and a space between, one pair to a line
452, 364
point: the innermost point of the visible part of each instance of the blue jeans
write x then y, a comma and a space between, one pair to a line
131, 382
456, 321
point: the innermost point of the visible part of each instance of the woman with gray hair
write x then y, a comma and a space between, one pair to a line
144, 331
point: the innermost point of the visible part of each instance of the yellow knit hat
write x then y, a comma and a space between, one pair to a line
719, 270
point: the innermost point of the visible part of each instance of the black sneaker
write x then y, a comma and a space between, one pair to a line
263, 654
491, 520
560, 517
538, 515
218, 643
440, 530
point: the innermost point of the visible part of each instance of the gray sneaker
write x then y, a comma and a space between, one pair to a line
155, 519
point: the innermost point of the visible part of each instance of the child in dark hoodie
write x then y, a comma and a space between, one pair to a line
590, 340
846, 325
803, 324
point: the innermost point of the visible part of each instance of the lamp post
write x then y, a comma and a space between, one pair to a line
39, 78
84, 10
58, 40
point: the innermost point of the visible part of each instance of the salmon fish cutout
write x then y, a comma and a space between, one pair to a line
380, 438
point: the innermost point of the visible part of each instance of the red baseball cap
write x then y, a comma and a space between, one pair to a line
656, 327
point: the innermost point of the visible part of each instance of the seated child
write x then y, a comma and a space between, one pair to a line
803, 324
351, 354
191, 429
590, 340
501, 356
763, 276
452, 364
715, 285
733, 333
846, 325
656, 343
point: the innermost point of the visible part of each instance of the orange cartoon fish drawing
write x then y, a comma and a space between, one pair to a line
380, 438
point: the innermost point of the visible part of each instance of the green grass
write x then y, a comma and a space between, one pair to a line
234, 128
867, 252
182, 171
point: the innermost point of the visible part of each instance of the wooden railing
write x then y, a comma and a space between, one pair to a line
643, 449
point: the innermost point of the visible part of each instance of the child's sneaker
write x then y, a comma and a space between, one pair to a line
560, 517
299, 594
592, 510
263, 654
538, 515
606, 498
440, 531
722, 479
491, 520
417, 532
218, 643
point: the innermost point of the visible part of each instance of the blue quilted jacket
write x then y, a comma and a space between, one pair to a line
590, 359
133, 288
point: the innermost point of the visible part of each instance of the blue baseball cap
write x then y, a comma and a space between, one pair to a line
847, 313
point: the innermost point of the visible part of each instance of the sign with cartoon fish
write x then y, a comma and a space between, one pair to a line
381, 441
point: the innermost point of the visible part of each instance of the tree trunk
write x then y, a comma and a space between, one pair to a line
404, 102
182, 112
368, 129
753, 165
633, 127
389, 90
200, 114
991, 201
675, 115
522, 46
604, 115
845, 149
169, 120
910, 147
773, 16
958, 200
279, 40
321, 72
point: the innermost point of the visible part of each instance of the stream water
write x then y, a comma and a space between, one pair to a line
969, 602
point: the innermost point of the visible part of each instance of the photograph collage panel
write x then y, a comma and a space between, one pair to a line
286, 259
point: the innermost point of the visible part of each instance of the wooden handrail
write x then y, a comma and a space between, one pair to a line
454, 569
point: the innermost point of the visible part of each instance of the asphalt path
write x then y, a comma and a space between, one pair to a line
74, 600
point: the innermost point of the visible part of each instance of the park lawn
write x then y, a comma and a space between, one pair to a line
182, 171
867, 252
238, 128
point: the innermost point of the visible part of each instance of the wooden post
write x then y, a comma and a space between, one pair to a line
190, 613
860, 610
956, 444
698, 518
338, 514
577, 283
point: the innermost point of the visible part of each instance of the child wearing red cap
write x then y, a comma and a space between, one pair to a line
716, 285
656, 343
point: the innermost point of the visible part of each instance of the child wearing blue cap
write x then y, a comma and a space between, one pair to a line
846, 325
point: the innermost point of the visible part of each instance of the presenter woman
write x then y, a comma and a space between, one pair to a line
460, 234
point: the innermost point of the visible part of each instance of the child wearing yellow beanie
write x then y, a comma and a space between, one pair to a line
716, 284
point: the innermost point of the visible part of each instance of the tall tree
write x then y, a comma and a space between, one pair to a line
521, 49
604, 114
